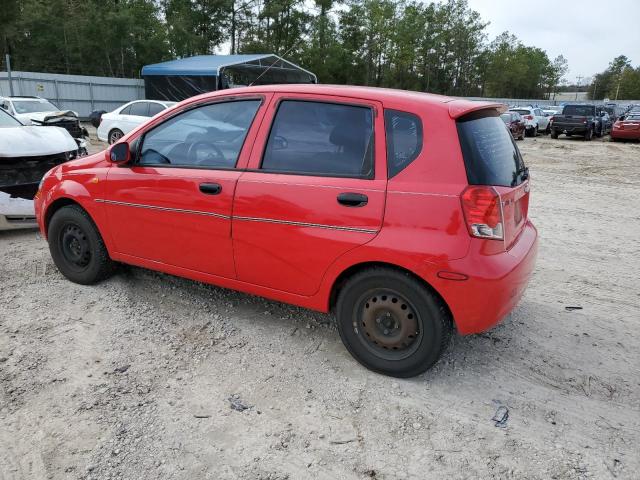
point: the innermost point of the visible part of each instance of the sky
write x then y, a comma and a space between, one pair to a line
589, 33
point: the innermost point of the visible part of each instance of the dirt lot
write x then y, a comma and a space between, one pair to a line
135, 378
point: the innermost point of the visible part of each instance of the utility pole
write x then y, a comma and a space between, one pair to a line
618, 87
578, 78
8, 61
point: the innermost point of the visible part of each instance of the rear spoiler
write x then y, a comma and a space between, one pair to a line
459, 108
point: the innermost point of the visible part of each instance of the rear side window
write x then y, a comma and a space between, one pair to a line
491, 157
155, 108
126, 110
141, 109
316, 138
404, 140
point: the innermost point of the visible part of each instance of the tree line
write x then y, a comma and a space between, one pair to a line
439, 47
619, 81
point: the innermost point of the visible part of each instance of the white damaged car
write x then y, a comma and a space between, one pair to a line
26, 153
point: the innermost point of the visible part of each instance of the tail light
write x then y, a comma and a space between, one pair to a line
528, 117
551, 119
483, 212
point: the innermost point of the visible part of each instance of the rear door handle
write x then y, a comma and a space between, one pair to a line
210, 188
351, 199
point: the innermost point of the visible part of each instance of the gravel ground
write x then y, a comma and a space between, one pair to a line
150, 376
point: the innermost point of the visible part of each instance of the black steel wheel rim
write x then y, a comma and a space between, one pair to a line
75, 246
387, 324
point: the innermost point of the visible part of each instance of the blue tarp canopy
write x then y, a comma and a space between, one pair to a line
212, 65
182, 78
200, 64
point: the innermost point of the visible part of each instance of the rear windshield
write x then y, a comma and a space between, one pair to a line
521, 112
580, 110
506, 117
491, 157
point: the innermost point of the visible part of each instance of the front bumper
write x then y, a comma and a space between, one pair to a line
495, 283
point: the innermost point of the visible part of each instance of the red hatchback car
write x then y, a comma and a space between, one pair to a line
404, 213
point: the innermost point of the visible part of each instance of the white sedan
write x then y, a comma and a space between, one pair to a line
114, 125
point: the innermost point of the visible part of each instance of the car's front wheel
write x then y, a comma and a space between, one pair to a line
76, 246
115, 135
391, 323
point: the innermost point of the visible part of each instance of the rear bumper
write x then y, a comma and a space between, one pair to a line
582, 128
494, 286
628, 134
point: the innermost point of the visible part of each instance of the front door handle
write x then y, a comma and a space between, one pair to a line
210, 188
350, 199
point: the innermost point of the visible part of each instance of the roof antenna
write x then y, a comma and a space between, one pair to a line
274, 62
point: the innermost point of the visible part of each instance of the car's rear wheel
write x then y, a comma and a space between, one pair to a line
115, 135
554, 134
76, 246
391, 323
588, 135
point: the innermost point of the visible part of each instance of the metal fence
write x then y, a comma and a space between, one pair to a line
79, 93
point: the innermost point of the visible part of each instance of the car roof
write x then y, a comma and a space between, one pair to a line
456, 107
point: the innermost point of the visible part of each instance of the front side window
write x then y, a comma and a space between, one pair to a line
404, 139
316, 138
210, 136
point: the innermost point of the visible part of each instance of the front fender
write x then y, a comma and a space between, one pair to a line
80, 188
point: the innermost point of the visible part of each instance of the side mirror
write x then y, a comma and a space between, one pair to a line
280, 143
119, 153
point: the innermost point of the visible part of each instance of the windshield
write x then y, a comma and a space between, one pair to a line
7, 120
580, 110
32, 106
490, 154
633, 118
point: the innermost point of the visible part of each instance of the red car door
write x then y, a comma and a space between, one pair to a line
314, 189
174, 204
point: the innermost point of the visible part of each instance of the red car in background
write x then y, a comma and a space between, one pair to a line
516, 124
404, 213
626, 128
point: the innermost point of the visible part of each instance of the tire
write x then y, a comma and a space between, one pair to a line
554, 134
77, 247
535, 132
114, 135
588, 135
528, 132
547, 130
391, 323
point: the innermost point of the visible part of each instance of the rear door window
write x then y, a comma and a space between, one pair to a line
317, 138
491, 157
140, 109
404, 140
